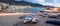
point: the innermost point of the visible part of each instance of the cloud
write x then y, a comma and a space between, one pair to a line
55, 1
41, 0
58, 1
48, 2
56, 4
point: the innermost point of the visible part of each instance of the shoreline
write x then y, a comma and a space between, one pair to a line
14, 14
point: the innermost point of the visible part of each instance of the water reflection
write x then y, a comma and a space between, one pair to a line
28, 10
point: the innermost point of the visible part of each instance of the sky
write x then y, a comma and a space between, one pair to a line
55, 3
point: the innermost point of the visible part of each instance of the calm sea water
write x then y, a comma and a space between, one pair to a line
34, 10
29, 10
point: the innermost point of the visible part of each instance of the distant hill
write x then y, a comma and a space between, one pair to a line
27, 3
49, 6
24, 3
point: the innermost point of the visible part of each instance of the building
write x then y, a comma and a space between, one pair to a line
55, 9
52, 10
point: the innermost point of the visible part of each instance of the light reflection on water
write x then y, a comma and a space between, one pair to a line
34, 10
29, 10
